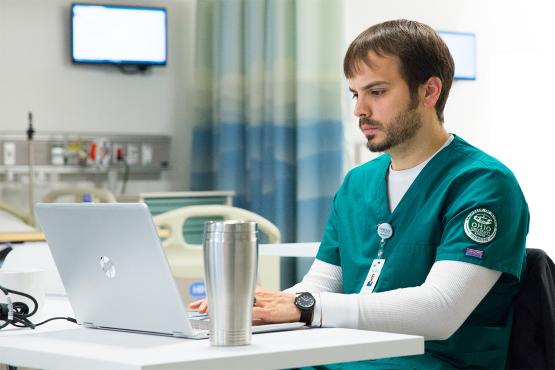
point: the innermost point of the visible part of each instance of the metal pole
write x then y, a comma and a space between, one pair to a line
30, 133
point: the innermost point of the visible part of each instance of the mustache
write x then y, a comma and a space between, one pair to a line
369, 122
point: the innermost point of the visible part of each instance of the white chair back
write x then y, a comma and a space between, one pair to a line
173, 221
97, 195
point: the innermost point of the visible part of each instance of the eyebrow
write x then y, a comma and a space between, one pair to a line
370, 85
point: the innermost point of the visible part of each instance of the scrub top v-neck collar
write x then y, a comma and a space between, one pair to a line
385, 214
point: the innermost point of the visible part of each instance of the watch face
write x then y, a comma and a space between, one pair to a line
305, 300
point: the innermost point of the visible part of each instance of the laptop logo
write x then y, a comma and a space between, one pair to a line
108, 267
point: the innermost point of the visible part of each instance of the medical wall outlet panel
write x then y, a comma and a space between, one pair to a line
68, 153
132, 156
9, 153
146, 154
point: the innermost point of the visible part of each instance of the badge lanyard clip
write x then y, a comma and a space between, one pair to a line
380, 250
385, 231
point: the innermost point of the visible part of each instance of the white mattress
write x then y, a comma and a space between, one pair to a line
11, 224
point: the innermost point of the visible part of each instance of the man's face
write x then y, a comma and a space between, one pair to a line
388, 116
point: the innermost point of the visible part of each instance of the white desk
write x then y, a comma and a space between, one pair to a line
62, 345
289, 249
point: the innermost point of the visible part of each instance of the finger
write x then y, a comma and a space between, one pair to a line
196, 303
203, 307
265, 293
256, 322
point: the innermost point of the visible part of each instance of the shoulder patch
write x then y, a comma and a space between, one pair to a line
480, 225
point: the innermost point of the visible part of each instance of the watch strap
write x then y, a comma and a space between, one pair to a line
306, 316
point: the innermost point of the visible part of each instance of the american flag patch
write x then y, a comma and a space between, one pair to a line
474, 253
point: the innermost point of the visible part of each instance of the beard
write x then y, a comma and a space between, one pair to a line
400, 129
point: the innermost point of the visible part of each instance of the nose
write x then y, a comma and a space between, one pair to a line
362, 109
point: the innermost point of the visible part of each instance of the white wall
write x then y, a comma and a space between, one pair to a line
36, 74
507, 110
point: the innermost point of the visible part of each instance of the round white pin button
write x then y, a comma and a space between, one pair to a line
385, 231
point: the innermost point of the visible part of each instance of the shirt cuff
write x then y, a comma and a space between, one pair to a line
317, 314
338, 310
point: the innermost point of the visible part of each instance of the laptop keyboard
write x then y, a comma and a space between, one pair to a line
201, 322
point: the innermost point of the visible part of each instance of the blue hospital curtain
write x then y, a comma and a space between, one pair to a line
268, 110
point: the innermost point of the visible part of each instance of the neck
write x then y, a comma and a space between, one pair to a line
431, 136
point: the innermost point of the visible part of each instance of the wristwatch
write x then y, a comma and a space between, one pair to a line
305, 302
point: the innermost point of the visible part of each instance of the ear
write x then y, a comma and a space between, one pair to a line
431, 90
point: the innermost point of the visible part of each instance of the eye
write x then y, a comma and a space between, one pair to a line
355, 96
379, 92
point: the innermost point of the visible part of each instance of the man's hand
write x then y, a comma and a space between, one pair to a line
201, 305
270, 306
275, 307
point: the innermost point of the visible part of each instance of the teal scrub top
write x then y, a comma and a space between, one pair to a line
464, 206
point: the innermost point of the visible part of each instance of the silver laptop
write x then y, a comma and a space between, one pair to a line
115, 271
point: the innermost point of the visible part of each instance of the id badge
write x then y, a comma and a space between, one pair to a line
373, 276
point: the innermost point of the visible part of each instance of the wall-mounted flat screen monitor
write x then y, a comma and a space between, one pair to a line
123, 35
463, 49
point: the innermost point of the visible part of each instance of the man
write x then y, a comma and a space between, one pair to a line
428, 238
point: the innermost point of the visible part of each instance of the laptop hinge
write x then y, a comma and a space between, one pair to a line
198, 334
89, 325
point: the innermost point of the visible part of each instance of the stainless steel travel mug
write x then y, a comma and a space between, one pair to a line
230, 265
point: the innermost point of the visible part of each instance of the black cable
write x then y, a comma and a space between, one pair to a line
25, 323
4, 252
57, 318
4, 307
20, 312
21, 304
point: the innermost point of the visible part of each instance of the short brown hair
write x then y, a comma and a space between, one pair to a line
422, 54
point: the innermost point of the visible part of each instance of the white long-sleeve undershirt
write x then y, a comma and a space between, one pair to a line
435, 309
